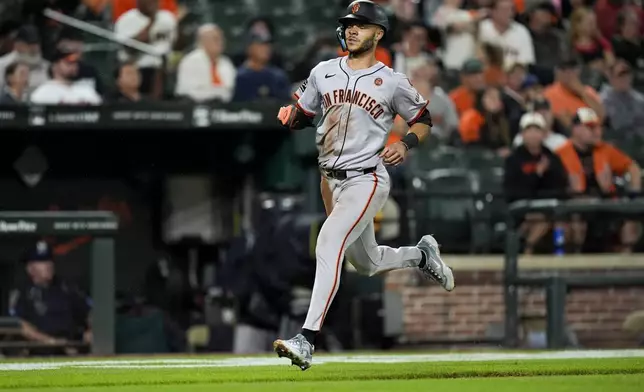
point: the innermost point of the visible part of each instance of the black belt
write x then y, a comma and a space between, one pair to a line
342, 174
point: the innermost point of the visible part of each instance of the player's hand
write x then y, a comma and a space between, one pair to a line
285, 115
394, 154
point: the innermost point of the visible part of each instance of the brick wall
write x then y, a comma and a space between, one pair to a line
596, 316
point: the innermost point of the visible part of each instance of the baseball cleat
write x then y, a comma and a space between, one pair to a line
435, 268
297, 349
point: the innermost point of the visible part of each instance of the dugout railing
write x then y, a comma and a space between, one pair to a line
555, 285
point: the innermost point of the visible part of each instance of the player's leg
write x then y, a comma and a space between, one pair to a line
358, 199
370, 259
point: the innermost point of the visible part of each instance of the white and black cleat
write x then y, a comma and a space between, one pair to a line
297, 349
435, 268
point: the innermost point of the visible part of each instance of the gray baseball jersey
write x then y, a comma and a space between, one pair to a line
358, 108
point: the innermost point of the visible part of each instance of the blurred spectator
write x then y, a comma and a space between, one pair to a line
493, 61
62, 89
71, 41
26, 49
323, 48
624, 106
502, 30
516, 75
155, 27
256, 78
459, 31
568, 93
608, 9
549, 42
486, 124
472, 82
553, 137
262, 27
591, 165
412, 49
628, 44
206, 74
51, 310
442, 108
120, 7
587, 41
16, 79
532, 172
128, 84
531, 88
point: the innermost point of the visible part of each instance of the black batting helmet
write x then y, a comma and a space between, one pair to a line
362, 11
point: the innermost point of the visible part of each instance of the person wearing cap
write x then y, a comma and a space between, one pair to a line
568, 93
153, 26
51, 310
62, 89
207, 74
552, 139
592, 165
256, 78
71, 40
533, 171
624, 105
472, 83
27, 50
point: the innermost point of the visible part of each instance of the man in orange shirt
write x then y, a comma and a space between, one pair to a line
568, 93
591, 165
472, 82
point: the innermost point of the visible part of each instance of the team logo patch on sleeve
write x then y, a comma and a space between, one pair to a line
378, 81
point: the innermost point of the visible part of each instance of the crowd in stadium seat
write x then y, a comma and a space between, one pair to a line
483, 64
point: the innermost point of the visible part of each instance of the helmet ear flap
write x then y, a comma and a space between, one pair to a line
339, 32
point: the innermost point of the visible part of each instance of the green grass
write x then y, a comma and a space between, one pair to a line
599, 383
336, 376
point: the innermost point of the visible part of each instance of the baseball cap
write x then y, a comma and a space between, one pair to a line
41, 251
532, 119
28, 34
472, 66
586, 116
64, 55
530, 81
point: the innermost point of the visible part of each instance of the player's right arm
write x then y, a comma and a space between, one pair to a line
300, 115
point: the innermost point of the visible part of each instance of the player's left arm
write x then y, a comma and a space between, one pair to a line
301, 114
412, 107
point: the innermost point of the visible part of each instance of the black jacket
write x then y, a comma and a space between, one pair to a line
521, 180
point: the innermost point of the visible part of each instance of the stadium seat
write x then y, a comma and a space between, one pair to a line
424, 159
443, 204
488, 226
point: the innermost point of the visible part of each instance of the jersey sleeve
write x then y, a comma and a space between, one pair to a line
308, 95
408, 102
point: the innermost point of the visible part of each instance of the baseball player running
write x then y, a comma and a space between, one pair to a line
359, 98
